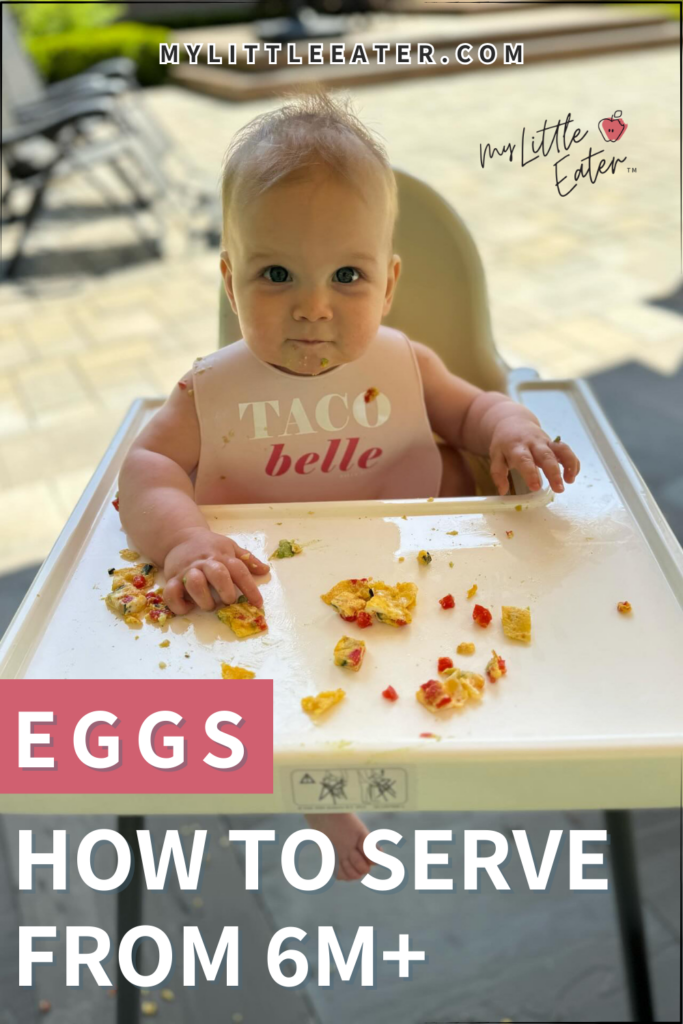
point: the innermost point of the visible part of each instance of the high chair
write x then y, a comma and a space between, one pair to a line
569, 735
441, 294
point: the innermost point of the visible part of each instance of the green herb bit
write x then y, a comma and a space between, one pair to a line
110, 572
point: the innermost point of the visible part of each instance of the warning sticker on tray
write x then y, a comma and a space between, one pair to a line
342, 789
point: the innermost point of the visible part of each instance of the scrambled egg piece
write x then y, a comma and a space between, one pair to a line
624, 607
495, 668
392, 604
323, 702
472, 591
349, 653
243, 618
235, 672
348, 597
453, 692
129, 589
517, 623
424, 557
287, 549
465, 648
128, 555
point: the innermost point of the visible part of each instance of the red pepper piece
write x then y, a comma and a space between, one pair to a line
432, 688
446, 700
153, 598
390, 693
354, 656
154, 614
427, 735
364, 620
401, 622
349, 618
182, 385
448, 601
445, 663
482, 616
139, 582
115, 503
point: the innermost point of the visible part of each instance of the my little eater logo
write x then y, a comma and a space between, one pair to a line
559, 138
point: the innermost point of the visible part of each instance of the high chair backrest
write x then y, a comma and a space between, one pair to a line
441, 298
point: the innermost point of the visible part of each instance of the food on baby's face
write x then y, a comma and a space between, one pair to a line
447, 602
472, 591
392, 605
482, 616
495, 668
371, 394
349, 653
287, 549
452, 692
517, 623
424, 558
390, 693
624, 607
465, 648
243, 618
315, 706
235, 672
509, 534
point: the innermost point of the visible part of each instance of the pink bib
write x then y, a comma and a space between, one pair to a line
270, 436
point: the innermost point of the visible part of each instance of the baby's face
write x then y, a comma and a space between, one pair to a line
308, 269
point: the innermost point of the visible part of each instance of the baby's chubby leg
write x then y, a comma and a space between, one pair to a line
457, 479
347, 833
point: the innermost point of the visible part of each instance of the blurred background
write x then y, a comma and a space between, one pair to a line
110, 286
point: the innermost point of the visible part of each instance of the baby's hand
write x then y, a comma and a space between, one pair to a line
204, 559
519, 443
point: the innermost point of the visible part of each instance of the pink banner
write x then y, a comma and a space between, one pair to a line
137, 736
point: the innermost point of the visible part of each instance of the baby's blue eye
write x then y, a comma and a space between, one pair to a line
344, 275
279, 274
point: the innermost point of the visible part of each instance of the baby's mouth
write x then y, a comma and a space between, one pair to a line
310, 341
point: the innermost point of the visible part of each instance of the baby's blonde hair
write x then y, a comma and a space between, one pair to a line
312, 128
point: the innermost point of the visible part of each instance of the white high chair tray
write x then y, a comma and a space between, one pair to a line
590, 713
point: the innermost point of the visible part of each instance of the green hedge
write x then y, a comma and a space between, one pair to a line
69, 53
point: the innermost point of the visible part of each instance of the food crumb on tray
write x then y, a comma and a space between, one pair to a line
517, 623
465, 648
624, 607
243, 618
287, 549
349, 653
235, 672
315, 706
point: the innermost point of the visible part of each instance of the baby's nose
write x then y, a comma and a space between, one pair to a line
313, 304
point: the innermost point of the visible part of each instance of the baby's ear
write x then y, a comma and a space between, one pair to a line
392, 280
226, 274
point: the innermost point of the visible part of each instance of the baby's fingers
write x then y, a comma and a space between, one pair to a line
252, 563
197, 587
568, 459
219, 577
174, 596
550, 466
499, 472
522, 460
242, 577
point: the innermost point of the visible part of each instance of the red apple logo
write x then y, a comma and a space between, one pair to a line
612, 128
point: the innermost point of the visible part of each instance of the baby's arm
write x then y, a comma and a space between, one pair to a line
490, 423
158, 511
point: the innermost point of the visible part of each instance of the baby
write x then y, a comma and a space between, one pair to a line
309, 206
